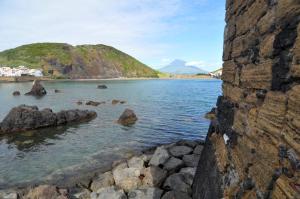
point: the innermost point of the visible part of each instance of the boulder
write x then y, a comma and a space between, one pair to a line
188, 170
79, 103
24, 118
114, 102
147, 193
136, 162
179, 151
92, 103
122, 102
102, 180
177, 182
57, 91
159, 157
102, 86
173, 164
191, 160
153, 176
109, 192
189, 143
44, 192
8, 195
128, 118
176, 195
16, 93
127, 178
37, 89
198, 149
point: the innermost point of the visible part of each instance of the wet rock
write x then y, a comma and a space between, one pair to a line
153, 176
37, 89
188, 170
57, 91
148, 193
159, 157
189, 143
135, 162
177, 182
128, 118
16, 93
79, 103
114, 102
127, 178
102, 180
198, 149
92, 103
122, 102
44, 192
191, 160
173, 164
102, 86
109, 192
24, 118
179, 151
176, 195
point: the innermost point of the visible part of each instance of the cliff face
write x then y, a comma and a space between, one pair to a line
84, 61
260, 108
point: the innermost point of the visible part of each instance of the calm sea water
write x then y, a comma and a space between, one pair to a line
168, 110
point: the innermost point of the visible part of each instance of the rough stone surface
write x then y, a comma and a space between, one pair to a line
191, 160
179, 151
148, 193
24, 118
37, 89
127, 178
153, 176
178, 182
110, 192
44, 192
198, 149
176, 195
188, 170
136, 162
252, 147
102, 180
173, 164
128, 118
8, 195
159, 157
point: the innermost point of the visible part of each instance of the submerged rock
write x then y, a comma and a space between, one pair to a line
24, 118
57, 91
16, 93
114, 102
127, 118
92, 103
37, 89
102, 86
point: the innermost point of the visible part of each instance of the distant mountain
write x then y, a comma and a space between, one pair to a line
61, 60
180, 67
217, 73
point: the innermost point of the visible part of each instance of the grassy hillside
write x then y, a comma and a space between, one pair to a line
84, 61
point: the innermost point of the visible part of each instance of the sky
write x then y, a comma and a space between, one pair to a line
154, 31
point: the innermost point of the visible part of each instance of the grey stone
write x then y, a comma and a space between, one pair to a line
191, 160
127, 178
159, 157
8, 195
178, 182
176, 195
179, 151
136, 162
189, 170
173, 164
147, 193
85, 194
153, 176
102, 180
37, 89
198, 149
110, 193
189, 143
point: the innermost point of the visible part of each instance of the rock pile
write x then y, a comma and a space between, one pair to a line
24, 118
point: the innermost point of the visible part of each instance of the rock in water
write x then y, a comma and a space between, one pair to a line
127, 118
16, 93
102, 87
37, 89
24, 118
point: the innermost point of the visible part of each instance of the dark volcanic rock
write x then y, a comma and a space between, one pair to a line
37, 89
16, 93
24, 118
127, 118
57, 91
102, 87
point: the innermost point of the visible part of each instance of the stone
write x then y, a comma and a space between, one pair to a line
114, 102
111, 193
189, 143
37, 89
102, 87
102, 180
8, 195
173, 164
122, 102
24, 118
57, 91
79, 103
44, 192
16, 93
191, 160
147, 193
136, 162
176, 195
188, 170
198, 149
211, 115
128, 118
92, 103
179, 151
177, 182
127, 178
159, 157
153, 176
146, 157
85, 194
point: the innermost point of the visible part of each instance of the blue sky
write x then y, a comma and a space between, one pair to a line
154, 31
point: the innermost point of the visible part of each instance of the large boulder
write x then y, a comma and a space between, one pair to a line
45, 192
153, 176
102, 180
37, 89
179, 151
147, 193
191, 160
173, 164
24, 118
109, 192
176, 195
159, 157
178, 182
128, 118
127, 178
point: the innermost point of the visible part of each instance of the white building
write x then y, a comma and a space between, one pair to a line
20, 71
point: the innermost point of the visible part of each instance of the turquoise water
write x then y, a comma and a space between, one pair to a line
168, 110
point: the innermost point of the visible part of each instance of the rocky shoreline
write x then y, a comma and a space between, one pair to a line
166, 171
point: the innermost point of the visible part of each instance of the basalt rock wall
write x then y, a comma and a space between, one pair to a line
253, 147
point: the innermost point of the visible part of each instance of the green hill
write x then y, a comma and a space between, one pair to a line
85, 61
